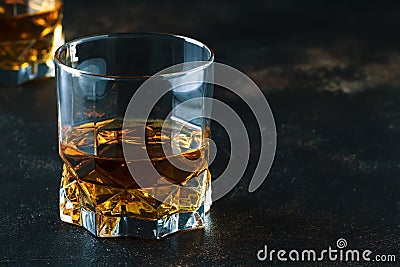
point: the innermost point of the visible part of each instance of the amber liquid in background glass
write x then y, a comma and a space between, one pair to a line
27, 37
93, 156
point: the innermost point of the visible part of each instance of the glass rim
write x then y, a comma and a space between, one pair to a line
62, 65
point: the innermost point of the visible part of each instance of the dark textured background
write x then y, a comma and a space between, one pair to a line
331, 73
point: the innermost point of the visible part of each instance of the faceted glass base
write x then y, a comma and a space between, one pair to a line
25, 60
74, 211
28, 73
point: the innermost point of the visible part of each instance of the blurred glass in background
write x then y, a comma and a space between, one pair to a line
30, 32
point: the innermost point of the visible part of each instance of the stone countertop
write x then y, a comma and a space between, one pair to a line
331, 73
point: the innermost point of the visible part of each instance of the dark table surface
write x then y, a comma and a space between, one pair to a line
331, 73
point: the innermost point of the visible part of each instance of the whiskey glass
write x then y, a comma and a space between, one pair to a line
30, 32
96, 79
